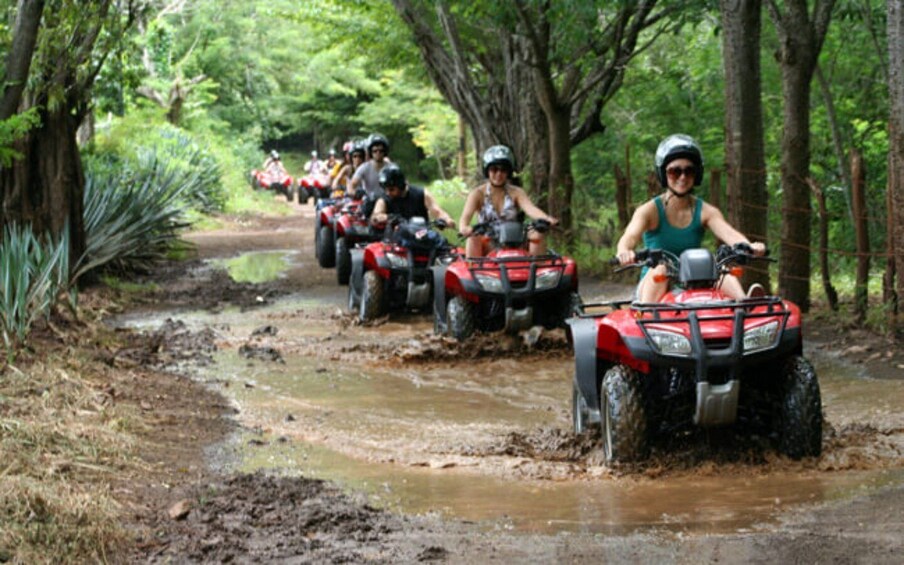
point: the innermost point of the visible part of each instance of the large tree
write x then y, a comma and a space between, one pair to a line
801, 36
533, 74
44, 187
745, 159
896, 133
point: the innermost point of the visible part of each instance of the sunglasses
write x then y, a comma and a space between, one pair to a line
497, 169
675, 173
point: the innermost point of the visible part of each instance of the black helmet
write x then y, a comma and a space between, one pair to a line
392, 175
678, 146
376, 139
498, 155
359, 146
274, 154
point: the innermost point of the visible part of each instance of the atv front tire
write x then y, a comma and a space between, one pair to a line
327, 253
799, 419
624, 421
372, 303
343, 261
461, 318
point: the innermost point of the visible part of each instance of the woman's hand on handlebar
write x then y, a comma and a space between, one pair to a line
626, 257
465, 231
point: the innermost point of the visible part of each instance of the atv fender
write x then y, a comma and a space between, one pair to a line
439, 294
583, 336
356, 279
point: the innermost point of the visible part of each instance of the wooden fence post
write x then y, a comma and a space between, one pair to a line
889, 296
621, 196
861, 232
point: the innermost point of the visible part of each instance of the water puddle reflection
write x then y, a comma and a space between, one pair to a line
257, 267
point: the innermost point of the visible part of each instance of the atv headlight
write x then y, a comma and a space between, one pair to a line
670, 343
488, 282
397, 261
548, 279
760, 337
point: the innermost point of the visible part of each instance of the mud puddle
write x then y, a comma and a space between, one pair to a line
489, 439
257, 267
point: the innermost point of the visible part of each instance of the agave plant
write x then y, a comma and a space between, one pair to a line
132, 215
35, 272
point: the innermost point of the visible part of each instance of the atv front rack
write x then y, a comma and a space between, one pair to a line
505, 264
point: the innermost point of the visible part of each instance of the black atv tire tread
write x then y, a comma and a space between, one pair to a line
623, 418
371, 297
800, 411
343, 261
327, 255
461, 318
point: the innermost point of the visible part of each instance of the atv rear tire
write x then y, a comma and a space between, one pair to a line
372, 300
799, 421
327, 254
317, 234
624, 421
290, 194
580, 412
461, 318
303, 195
343, 261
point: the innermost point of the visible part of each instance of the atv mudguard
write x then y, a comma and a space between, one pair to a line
439, 293
583, 337
356, 279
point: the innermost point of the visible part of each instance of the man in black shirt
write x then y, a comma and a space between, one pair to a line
404, 200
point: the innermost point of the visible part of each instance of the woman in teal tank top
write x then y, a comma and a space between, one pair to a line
676, 220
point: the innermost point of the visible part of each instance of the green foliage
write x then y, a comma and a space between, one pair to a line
12, 130
35, 271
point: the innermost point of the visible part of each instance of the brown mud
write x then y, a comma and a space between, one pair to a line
186, 510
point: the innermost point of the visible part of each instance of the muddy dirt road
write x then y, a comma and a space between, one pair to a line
464, 453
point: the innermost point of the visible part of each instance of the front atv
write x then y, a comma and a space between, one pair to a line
508, 290
696, 359
393, 274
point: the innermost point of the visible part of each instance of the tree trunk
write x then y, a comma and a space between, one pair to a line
896, 136
561, 181
744, 141
831, 295
800, 40
861, 231
794, 266
18, 61
45, 188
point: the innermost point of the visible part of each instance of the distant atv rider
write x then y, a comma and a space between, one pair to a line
676, 220
498, 200
367, 176
404, 200
273, 164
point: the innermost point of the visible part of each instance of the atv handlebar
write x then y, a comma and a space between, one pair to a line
489, 228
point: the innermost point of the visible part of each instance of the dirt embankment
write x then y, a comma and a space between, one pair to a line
184, 511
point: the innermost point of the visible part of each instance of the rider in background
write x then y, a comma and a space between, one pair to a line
314, 166
676, 220
498, 200
273, 163
367, 176
404, 200
354, 157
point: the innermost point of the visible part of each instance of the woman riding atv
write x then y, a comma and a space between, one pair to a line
676, 220
498, 201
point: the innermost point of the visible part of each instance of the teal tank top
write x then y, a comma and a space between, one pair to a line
672, 239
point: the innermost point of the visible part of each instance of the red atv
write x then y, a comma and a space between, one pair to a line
275, 180
394, 274
509, 289
324, 241
350, 228
316, 186
697, 358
